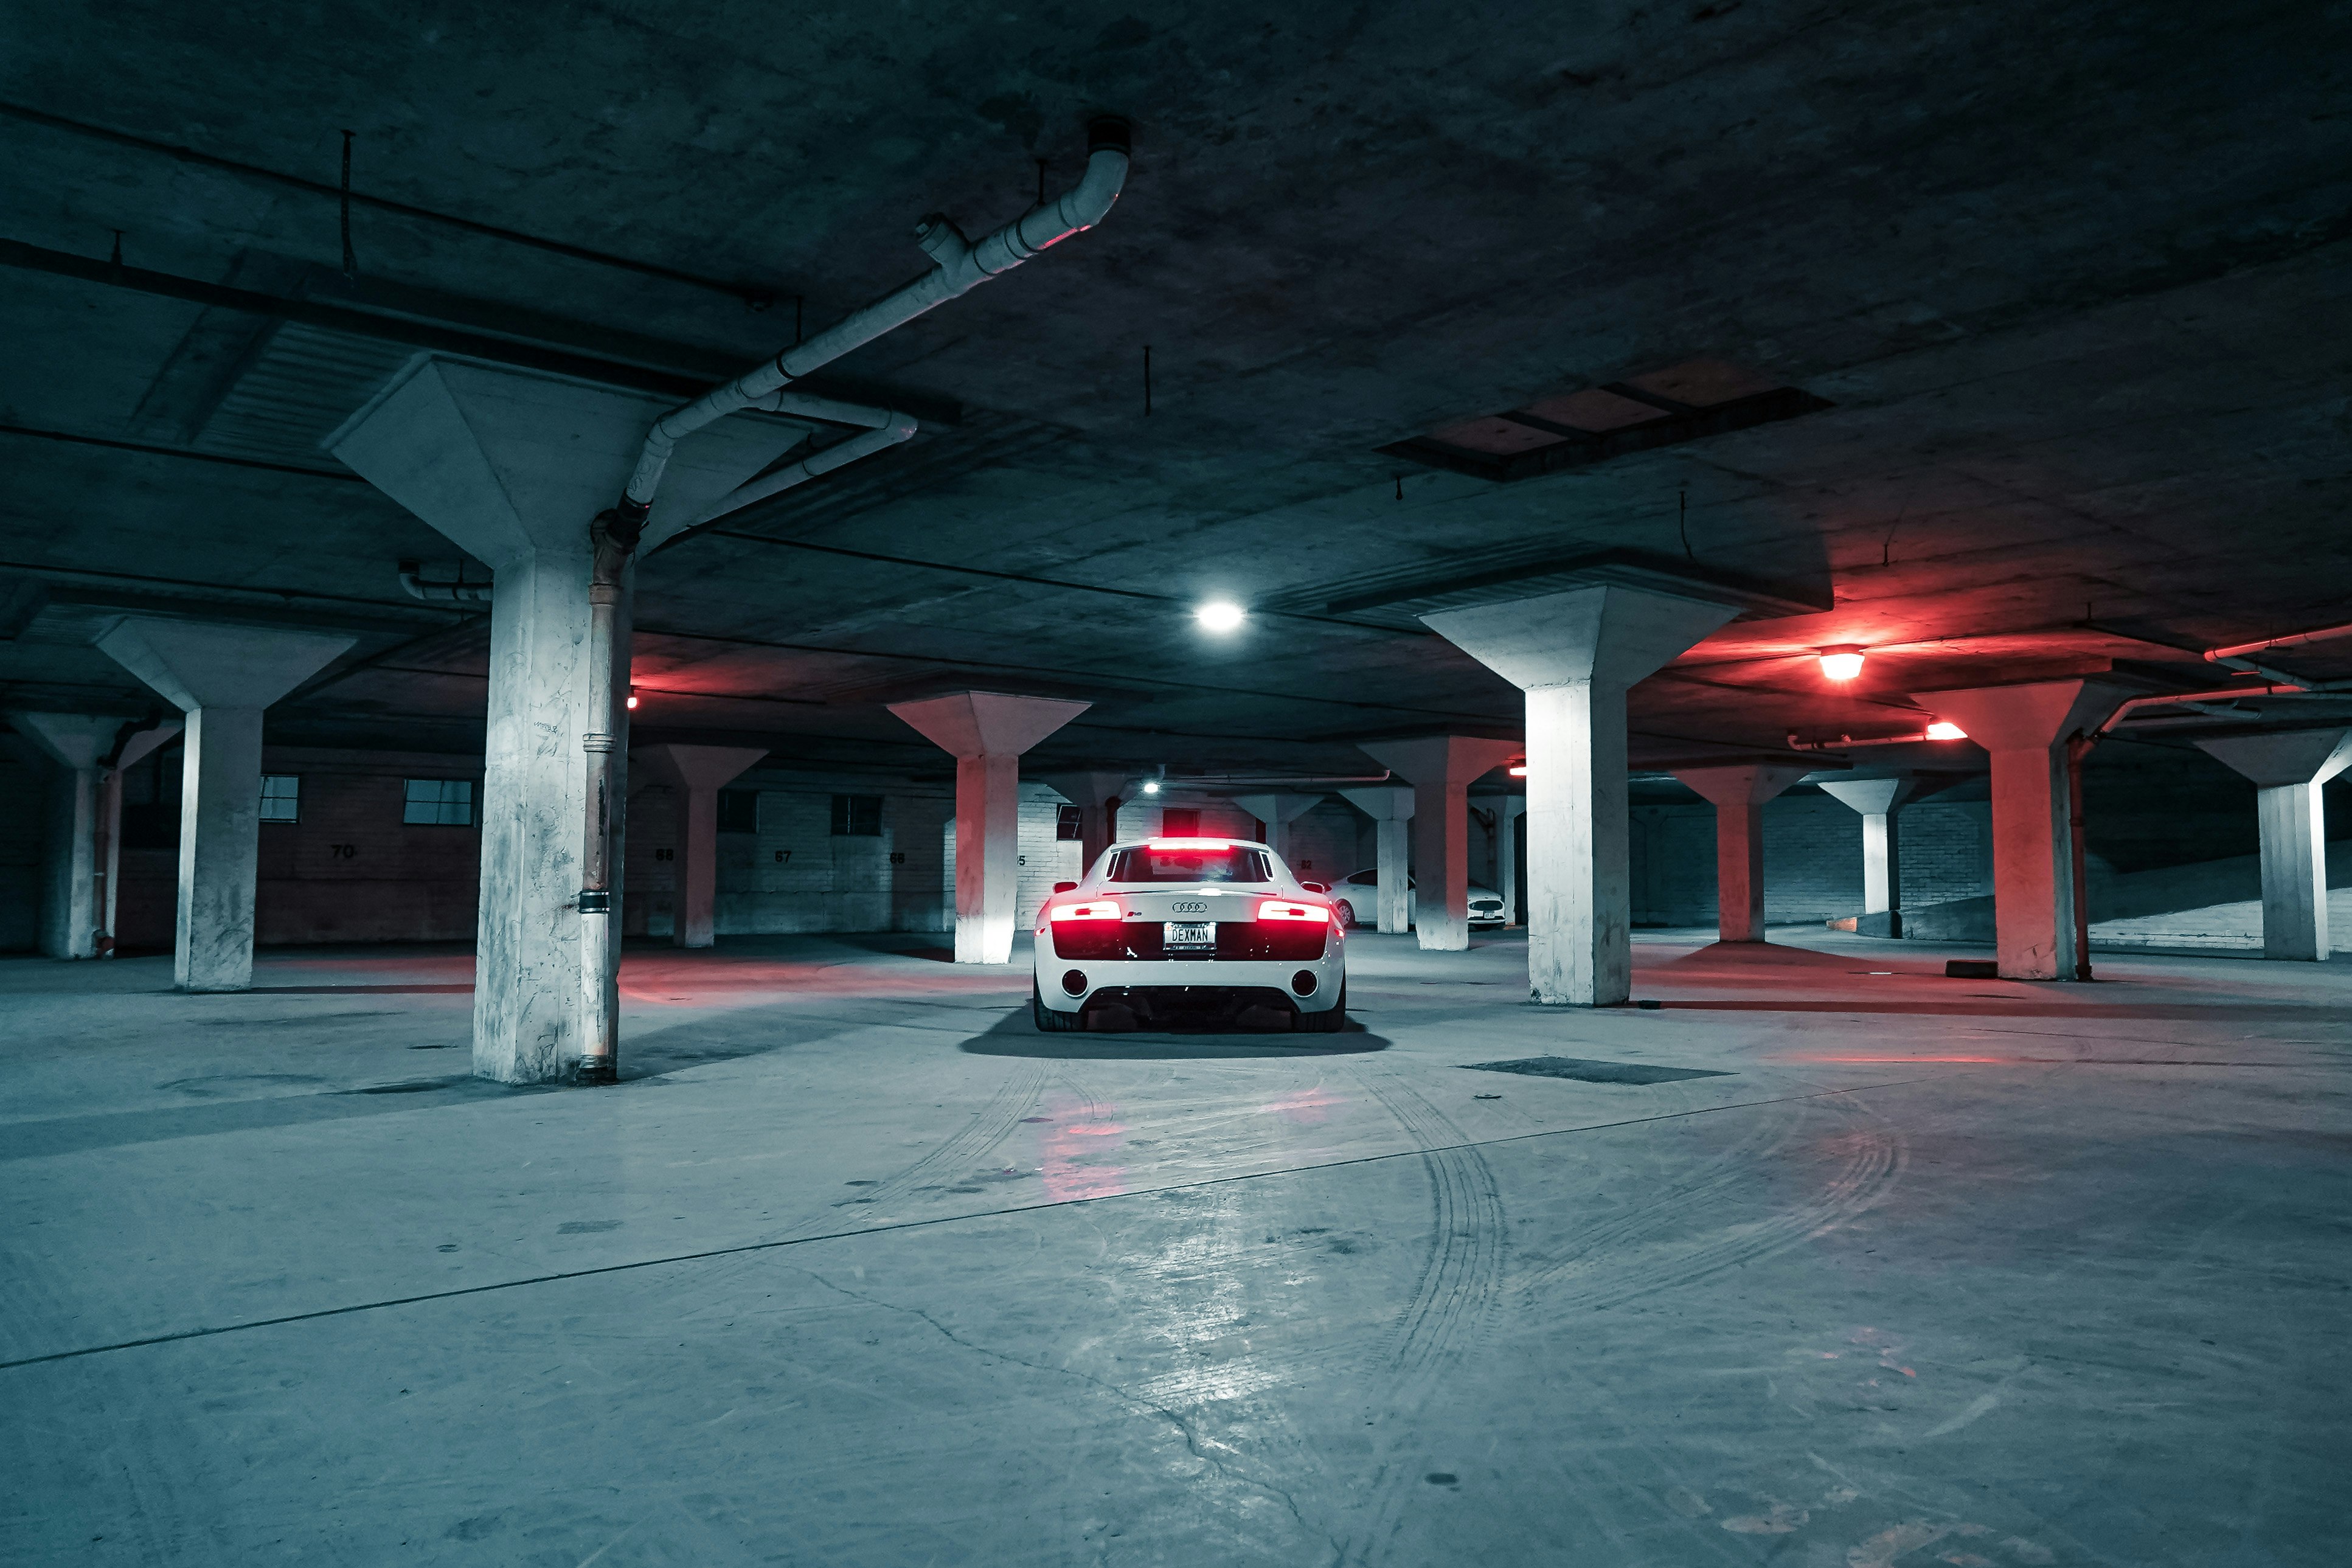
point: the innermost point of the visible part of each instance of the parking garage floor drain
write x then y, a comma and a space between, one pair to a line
1593, 1072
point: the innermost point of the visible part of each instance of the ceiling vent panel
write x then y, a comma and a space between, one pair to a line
1685, 402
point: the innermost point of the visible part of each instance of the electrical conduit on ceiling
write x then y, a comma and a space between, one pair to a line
958, 267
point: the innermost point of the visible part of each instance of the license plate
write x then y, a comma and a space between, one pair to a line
1190, 933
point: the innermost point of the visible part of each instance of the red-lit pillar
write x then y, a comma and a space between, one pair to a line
1441, 769
987, 732
1739, 795
2036, 901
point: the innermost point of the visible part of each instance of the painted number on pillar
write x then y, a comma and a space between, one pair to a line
897, 857
665, 854
1021, 859
783, 857
344, 851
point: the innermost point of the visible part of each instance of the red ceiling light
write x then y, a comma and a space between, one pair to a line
1945, 730
1518, 770
633, 699
1843, 663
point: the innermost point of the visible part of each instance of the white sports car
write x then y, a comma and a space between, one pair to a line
1167, 926
1358, 900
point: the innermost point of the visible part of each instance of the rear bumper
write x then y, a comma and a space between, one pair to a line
1208, 980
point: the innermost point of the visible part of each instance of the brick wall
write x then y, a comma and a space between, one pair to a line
795, 875
1329, 841
351, 869
1946, 851
1812, 858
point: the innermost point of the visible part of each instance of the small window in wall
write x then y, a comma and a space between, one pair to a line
857, 816
1068, 828
438, 803
739, 811
281, 797
1179, 822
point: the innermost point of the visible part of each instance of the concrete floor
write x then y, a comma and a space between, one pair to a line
856, 1268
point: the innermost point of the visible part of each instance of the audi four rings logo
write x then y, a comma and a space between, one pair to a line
1188, 907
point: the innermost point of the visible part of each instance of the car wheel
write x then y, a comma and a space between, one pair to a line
1328, 1022
1049, 1022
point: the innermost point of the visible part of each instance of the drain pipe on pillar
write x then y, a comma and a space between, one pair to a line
958, 267
613, 537
2078, 746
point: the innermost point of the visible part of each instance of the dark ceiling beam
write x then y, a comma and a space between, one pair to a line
342, 318
187, 452
755, 296
421, 333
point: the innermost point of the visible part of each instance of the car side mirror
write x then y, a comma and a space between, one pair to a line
1316, 887
1066, 887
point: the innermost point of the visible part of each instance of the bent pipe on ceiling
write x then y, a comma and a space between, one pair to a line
958, 267
436, 592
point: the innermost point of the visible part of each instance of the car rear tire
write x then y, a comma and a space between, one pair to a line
1049, 1022
1328, 1022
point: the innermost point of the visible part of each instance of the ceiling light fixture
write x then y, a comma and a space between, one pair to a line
1945, 730
1151, 786
1220, 616
1518, 770
1842, 663
633, 699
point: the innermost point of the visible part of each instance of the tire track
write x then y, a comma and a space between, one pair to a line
1451, 1308
1729, 1172
1874, 1158
990, 1125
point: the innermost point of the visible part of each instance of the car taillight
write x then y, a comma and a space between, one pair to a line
1099, 910
1272, 911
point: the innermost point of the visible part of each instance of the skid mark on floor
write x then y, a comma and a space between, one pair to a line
1871, 1162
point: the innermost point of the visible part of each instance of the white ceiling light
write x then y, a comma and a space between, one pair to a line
1219, 616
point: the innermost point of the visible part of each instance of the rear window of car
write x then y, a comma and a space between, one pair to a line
1153, 863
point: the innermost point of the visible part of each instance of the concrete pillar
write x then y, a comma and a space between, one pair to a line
1391, 808
1575, 654
1278, 812
1441, 769
1509, 810
513, 467
1095, 792
221, 677
1739, 795
1882, 860
77, 743
987, 732
132, 749
2288, 770
697, 773
2036, 903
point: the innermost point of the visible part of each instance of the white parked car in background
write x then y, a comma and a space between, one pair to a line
1162, 927
1360, 898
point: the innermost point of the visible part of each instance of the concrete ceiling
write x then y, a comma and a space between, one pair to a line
2061, 274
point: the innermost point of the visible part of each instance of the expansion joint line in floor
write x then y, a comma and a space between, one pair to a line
750, 1247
